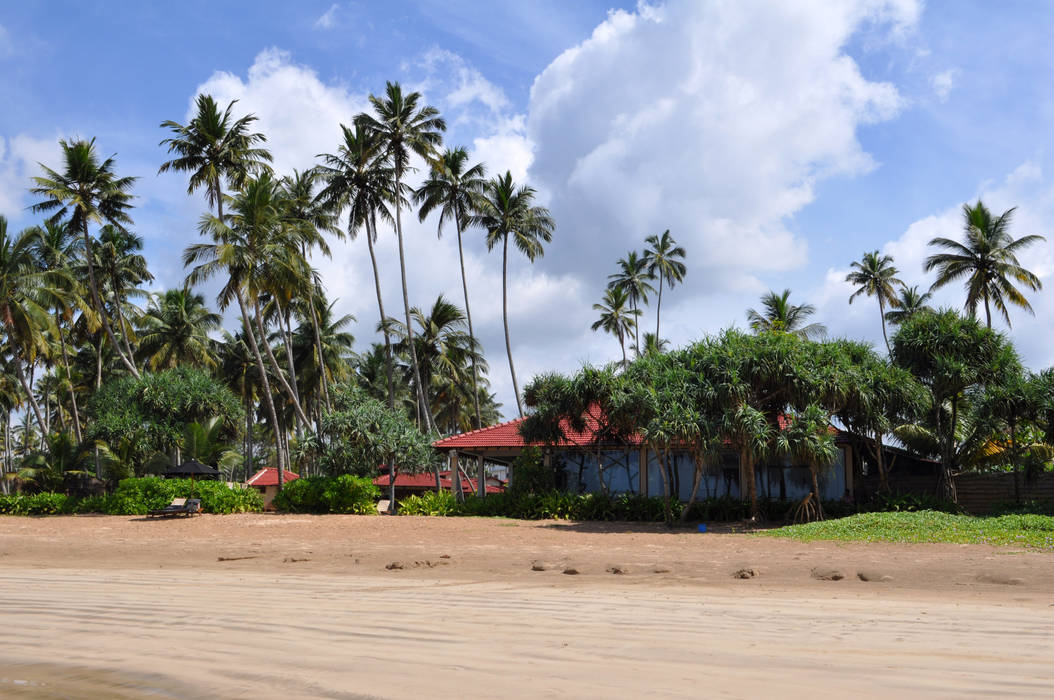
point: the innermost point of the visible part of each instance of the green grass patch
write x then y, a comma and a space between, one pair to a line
1024, 530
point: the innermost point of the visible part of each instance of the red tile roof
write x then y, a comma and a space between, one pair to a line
507, 435
427, 480
269, 477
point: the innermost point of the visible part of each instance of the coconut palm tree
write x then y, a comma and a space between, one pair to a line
986, 262
450, 188
664, 261
506, 212
874, 276
214, 148
57, 247
90, 192
633, 279
616, 316
123, 269
311, 220
405, 129
246, 250
335, 343
909, 302
26, 295
175, 330
780, 316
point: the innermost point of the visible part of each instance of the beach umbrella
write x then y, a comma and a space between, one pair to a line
192, 468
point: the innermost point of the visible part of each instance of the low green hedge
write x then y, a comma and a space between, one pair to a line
329, 494
138, 497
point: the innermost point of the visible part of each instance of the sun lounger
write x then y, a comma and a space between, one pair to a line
178, 506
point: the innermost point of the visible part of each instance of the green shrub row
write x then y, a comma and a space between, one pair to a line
558, 505
329, 494
138, 497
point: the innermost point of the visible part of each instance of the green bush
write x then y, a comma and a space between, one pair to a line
431, 503
329, 494
46, 503
139, 496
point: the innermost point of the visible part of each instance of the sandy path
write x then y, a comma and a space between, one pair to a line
133, 610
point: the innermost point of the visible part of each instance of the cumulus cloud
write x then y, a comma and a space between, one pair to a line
713, 120
943, 83
19, 157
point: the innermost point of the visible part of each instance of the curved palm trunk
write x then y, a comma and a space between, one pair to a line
274, 364
816, 490
882, 314
20, 372
471, 334
268, 398
422, 396
505, 319
99, 306
622, 344
318, 336
118, 303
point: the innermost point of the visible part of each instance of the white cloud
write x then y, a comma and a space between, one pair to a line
19, 158
943, 83
7, 46
713, 120
328, 19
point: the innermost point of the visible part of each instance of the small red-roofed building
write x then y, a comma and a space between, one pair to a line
266, 482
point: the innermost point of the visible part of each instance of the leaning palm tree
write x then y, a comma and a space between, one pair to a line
633, 279
665, 262
617, 317
357, 179
506, 212
90, 192
910, 301
175, 330
214, 147
450, 188
242, 250
874, 276
405, 129
26, 295
986, 262
780, 316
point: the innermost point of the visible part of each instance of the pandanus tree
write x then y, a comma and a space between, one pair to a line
665, 262
450, 188
781, 316
874, 276
405, 128
508, 213
634, 280
617, 316
808, 439
26, 295
88, 191
948, 355
215, 148
986, 262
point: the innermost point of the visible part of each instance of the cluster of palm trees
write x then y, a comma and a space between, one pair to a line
661, 262
75, 287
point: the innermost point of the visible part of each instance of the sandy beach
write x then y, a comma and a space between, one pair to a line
262, 606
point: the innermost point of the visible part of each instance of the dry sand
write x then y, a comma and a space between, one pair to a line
262, 606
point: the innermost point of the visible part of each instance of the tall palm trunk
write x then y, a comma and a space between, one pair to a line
658, 313
987, 313
422, 395
258, 317
283, 329
96, 299
318, 336
250, 335
622, 344
389, 369
117, 302
471, 334
21, 374
69, 379
505, 319
636, 328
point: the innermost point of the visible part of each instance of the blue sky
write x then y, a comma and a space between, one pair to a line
777, 141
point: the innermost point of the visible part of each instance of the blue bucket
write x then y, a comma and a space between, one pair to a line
702, 527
